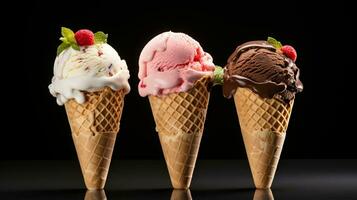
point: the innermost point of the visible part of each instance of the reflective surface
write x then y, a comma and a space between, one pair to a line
213, 179
95, 195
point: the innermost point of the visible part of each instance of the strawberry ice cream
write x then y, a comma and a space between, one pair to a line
171, 63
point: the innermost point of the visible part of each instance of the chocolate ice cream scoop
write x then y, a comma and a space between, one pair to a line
267, 70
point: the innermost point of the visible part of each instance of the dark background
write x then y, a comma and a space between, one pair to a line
35, 127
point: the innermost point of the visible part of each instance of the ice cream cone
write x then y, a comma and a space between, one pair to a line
179, 121
263, 125
181, 194
94, 126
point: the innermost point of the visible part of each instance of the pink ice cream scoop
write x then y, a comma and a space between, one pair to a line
172, 62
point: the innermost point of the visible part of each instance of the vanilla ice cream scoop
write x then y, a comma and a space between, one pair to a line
90, 66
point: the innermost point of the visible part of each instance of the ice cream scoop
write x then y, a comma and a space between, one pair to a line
171, 63
87, 68
266, 69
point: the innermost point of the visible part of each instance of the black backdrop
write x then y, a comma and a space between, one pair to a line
319, 126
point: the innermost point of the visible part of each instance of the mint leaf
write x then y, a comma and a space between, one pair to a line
75, 46
68, 40
274, 42
100, 37
218, 76
68, 34
63, 39
62, 47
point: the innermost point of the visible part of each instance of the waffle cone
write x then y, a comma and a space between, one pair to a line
263, 125
180, 119
94, 127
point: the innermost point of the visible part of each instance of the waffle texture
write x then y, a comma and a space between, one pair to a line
180, 119
263, 125
94, 127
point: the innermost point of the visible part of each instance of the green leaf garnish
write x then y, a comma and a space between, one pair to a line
62, 47
68, 39
68, 34
275, 43
100, 37
218, 76
75, 46
63, 39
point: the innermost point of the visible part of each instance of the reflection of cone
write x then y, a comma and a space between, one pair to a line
181, 194
94, 126
95, 195
179, 121
263, 194
263, 125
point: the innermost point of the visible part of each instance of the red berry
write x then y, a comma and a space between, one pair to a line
289, 52
84, 37
197, 56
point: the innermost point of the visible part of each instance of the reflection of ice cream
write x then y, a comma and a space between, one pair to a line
95, 195
264, 69
178, 194
89, 69
172, 62
265, 194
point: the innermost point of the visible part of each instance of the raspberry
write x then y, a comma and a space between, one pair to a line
289, 52
197, 56
84, 37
